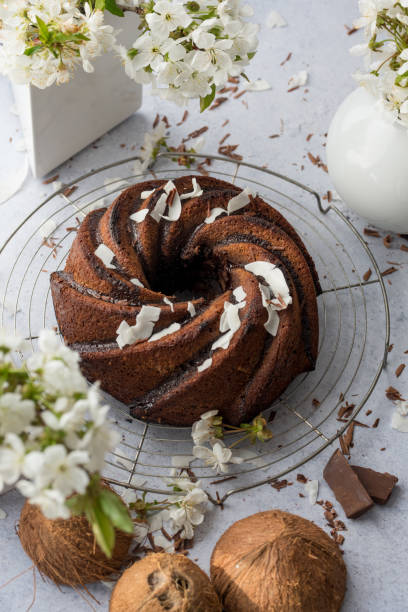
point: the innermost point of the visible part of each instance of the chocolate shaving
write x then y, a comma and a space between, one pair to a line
217, 102
156, 121
287, 59
166, 122
404, 247
224, 138
51, 179
184, 118
228, 151
346, 410
226, 122
367, 275
389, 271
371, 232
350, 31
301, 478
277, 136
69, 190
400, 370
196, 133
241, 93
308, 137
376, 423
166, 535
387, 241
316, 161
280, 484
390, 347
315, 402
392, 394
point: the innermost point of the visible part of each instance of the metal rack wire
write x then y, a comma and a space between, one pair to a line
354, 324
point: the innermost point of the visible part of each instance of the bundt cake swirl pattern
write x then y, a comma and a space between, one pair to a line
186, 296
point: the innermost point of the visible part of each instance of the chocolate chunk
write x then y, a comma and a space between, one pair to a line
379, 486
346, 486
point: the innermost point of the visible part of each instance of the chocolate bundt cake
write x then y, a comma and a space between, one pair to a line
189, 295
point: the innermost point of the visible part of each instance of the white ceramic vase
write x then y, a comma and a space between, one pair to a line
367, 155
61, 120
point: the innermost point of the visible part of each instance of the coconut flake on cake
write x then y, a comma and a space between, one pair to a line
165, 332
145, 320
105, 255
196, 193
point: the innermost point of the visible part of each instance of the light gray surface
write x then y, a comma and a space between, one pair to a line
376, 544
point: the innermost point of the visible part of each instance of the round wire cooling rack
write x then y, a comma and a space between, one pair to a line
353, 315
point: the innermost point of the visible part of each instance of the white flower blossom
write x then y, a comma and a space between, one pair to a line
202, 430
54, 432
188, 511
217, 458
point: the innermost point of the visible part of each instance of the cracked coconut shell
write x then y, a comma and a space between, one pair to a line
65, 550
164, 581
278, 562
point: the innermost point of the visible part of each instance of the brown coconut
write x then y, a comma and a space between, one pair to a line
278, 562
163, 581
65, 550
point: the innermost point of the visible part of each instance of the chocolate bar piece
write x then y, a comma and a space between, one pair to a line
379, 486
346, 486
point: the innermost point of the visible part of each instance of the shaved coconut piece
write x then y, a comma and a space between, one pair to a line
21, 145
47, 228
181, 461
275, 280
275, 20
14, 181
400, 417
299, 79
312, 489
239, 294
3, 514
140, 215
143, 329
105, 255
165, 332
159, 207
229, 323
56, 185
258, 85
214, 213
137, 282
205, 365
174, 211
191, 309
146, 194
239, 201
167, 301
197, 191
272, 324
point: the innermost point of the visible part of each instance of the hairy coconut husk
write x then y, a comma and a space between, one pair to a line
164, 581
274, 562
65, 550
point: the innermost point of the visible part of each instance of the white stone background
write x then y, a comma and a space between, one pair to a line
376, 544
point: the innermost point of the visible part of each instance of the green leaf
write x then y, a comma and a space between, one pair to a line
113, 8
32, 49
100, 5
43, 29
102, 528
132, 52
207, 100
251, 54
114, 508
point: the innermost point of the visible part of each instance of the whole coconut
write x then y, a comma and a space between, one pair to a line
164, 581
65, 550
278, 562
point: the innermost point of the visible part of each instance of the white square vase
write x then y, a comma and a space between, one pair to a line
63, 119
